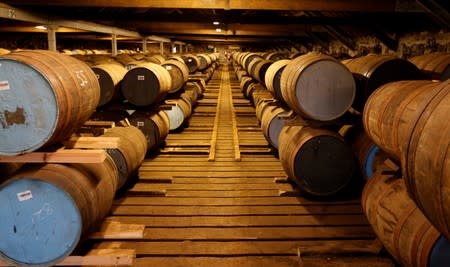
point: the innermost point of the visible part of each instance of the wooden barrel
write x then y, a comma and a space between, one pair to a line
317, 87
146, 85
372, 71
426, 164
124, 59
109, 77
157, 59
275, 56
179, 58
368, 154
192, 62
260, 70
110, 115
205, 61
133, 64
197, 89
65, 93
248, 58
245, 83
392, 111
240, 74
131, 150
252, 66
271, 125
179, 73
48, 209
400, 225
154, 126
179, 113
435, 65
320, 162
272, 78
254, 87
295, 55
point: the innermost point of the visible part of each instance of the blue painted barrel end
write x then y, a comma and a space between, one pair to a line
440, 253
368, 166
40, 223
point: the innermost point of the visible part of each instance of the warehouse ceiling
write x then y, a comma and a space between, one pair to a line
307, 21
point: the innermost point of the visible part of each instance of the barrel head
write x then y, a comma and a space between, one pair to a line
28, 108
40, 223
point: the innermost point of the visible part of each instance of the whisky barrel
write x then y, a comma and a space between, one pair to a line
271, 125
392, 111
272, 78
426, 164
192, 62
317, 87
48, 209
179, 73
435, 65
157, 59
245, 83
259, 72
109, 77
400, 225
65, 93
131, 150
319, 161
178, 114
368, 154
179, 58
252, 66
197, 89
275, 56
146, 85
205, 61
154, 126
248, 58
373, 71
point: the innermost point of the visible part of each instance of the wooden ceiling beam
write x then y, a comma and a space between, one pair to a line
323, 5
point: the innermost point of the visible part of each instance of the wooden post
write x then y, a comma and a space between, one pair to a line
161, 48
172, 45
51, 37
144, 46
114, 44
181, 49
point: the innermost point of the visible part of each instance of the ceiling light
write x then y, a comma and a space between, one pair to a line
218, 30
216, 23
41, 27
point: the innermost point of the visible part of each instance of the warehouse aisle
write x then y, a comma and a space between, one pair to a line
217, 195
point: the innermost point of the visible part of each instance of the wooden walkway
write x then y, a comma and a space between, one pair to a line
216, 195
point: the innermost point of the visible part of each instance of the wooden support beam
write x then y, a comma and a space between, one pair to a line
324, 5
144, 46
51, 37
342, 36
161, 48
387, 40
114, 45
437, 10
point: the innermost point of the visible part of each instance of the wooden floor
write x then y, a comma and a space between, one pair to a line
216, 195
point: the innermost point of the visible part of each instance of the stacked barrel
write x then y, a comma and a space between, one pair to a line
149, 90
316, 88
49, 208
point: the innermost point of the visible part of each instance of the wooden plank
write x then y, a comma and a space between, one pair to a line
230, 194
259, 233
244, 221
254, 201
117, 230
214, 168
243, 248
60, 156
142, 187
218, 262
197, 163
234, 210
205, 180
92, 142
278, 261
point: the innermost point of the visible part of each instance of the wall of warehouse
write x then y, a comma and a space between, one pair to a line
409, 45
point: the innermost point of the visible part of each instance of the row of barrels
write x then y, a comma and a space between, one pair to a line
406, 233
48, 210
407, 120
323, 161
46, 96
149, 80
